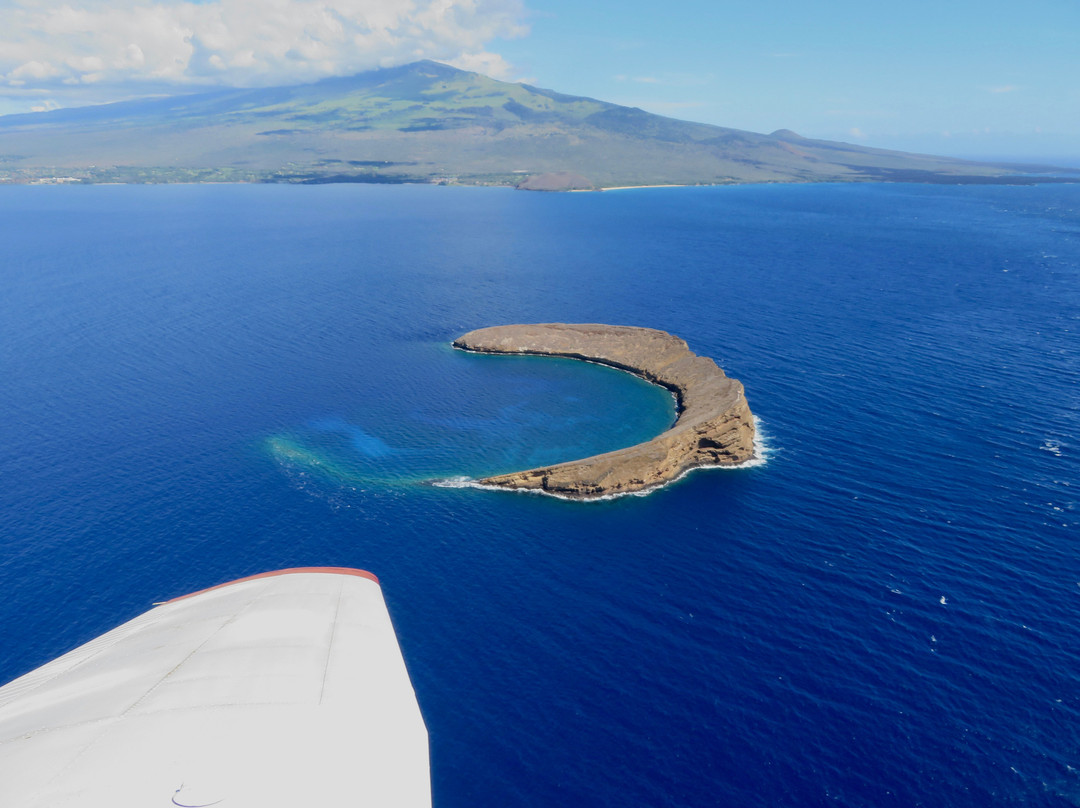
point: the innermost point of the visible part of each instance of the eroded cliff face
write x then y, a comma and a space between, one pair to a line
714, 426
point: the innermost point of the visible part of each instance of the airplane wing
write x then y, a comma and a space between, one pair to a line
282, 689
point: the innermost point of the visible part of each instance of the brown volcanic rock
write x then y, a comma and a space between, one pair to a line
714, 426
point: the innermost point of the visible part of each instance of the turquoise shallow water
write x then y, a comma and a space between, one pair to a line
201, 383
533, 411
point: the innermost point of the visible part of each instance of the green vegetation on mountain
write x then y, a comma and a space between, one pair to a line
427, 122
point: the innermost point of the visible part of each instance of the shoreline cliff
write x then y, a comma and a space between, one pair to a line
713, 427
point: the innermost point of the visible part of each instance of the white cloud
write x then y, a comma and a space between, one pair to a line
490, 64
34, 70
1005, 88
48, 43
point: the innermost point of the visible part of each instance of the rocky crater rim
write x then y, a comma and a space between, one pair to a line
713, 426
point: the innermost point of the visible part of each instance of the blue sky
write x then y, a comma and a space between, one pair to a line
989, 79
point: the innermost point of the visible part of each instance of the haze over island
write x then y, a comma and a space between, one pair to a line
432, 123
991, 81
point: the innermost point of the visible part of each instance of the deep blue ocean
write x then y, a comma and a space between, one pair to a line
199, 383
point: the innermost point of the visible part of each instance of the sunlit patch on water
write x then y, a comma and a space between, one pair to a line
1051, 446
296, 458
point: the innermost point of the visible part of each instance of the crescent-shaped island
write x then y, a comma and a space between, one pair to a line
714, 426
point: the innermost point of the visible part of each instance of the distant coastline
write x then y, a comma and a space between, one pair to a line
435, 124
632, 187
714, 426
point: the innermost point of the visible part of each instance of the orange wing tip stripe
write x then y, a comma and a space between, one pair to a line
275, 573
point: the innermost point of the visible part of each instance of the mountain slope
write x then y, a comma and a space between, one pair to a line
428, 122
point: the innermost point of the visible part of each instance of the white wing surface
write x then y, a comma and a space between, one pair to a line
284, 689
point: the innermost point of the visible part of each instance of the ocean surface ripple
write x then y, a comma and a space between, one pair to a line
205, 382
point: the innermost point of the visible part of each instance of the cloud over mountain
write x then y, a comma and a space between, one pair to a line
52, 44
